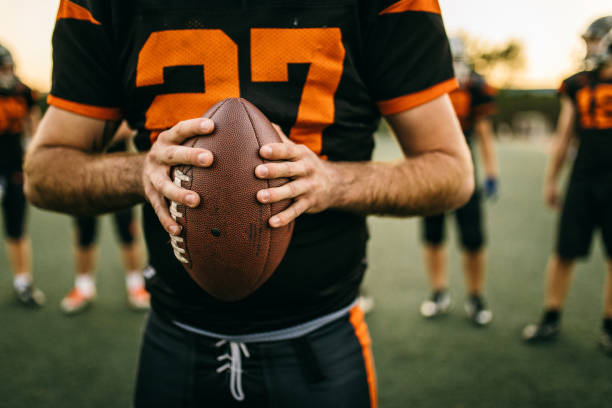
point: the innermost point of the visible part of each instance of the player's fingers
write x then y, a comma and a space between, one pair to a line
282, 169
186, 129
286, 191
280, 151
174, 154
283, 218
173, 192
161, 210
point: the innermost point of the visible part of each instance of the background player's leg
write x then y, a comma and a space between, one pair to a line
474, 271
18, 246
606, 335
558, 280
127, 227
85, 260
436, 262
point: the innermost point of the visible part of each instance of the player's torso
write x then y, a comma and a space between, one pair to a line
593, 103
13, 110
295, 60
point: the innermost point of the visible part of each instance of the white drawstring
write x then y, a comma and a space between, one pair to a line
234, 365
179, 177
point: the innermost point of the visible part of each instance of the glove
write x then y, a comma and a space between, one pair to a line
491, 188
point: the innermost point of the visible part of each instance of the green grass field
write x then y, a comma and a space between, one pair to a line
48, 360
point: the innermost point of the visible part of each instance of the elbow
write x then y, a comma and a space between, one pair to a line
31, 174
465, 183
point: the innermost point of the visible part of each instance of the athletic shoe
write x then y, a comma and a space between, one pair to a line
138, 298
477, 311
605, 342
439, 303
366, 303
543, 332
30, 296
76, 301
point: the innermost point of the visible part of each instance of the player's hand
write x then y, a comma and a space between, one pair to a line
310, 186
551, 195
165, 153
491, 188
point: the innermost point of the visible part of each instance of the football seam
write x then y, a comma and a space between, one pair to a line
267, 183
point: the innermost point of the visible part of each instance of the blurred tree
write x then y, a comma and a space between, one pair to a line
499, 62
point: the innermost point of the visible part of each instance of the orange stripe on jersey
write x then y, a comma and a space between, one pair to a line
413, 100
361, 331
96, 112
68, 9
429, 6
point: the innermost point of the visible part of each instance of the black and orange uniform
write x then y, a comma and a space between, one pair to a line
588, 200
472, 101
15, 106
87, 226
325, 71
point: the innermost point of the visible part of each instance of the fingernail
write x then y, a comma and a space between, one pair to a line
264, 196
205, 125
175, 229
266, 150
274, 221
262, 170
192, 199
203, 158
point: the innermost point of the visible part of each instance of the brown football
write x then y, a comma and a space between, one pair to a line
226, 244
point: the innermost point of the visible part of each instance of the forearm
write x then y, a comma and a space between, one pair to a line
69, 180
426, 184
487, 147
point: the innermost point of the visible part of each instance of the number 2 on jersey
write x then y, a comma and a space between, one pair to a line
271, 52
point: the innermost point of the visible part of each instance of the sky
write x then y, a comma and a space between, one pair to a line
549, 29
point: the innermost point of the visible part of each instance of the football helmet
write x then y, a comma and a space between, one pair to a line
598, 38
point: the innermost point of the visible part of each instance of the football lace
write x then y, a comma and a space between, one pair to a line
175, 240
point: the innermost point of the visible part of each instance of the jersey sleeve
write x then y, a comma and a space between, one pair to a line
85, 75
407, 55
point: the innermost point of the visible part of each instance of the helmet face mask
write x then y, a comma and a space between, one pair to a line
460, 60
7, 71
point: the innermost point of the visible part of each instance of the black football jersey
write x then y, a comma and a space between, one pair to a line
324, 70
592, 98
15, 105
472, 100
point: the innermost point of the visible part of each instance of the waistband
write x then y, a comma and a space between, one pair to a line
288, 333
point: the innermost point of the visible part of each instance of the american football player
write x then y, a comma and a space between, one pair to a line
84, 291
18, 115
586, 112
473, 102
325, 72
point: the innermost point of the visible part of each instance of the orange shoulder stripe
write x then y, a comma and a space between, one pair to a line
360, 327
68, 9
413, 100
96, 112
429, 6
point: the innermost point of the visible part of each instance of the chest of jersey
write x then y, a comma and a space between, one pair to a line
297, 71
13, 110
594, 105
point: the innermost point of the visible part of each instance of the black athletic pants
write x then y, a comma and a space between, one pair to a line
331, 367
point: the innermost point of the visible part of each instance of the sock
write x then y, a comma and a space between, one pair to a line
607, 325
551, 316
134, 280
21, 281
437, 294
85, 284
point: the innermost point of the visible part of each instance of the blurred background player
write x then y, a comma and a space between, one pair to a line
586, 110
84, 291
18, 116
473, 102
